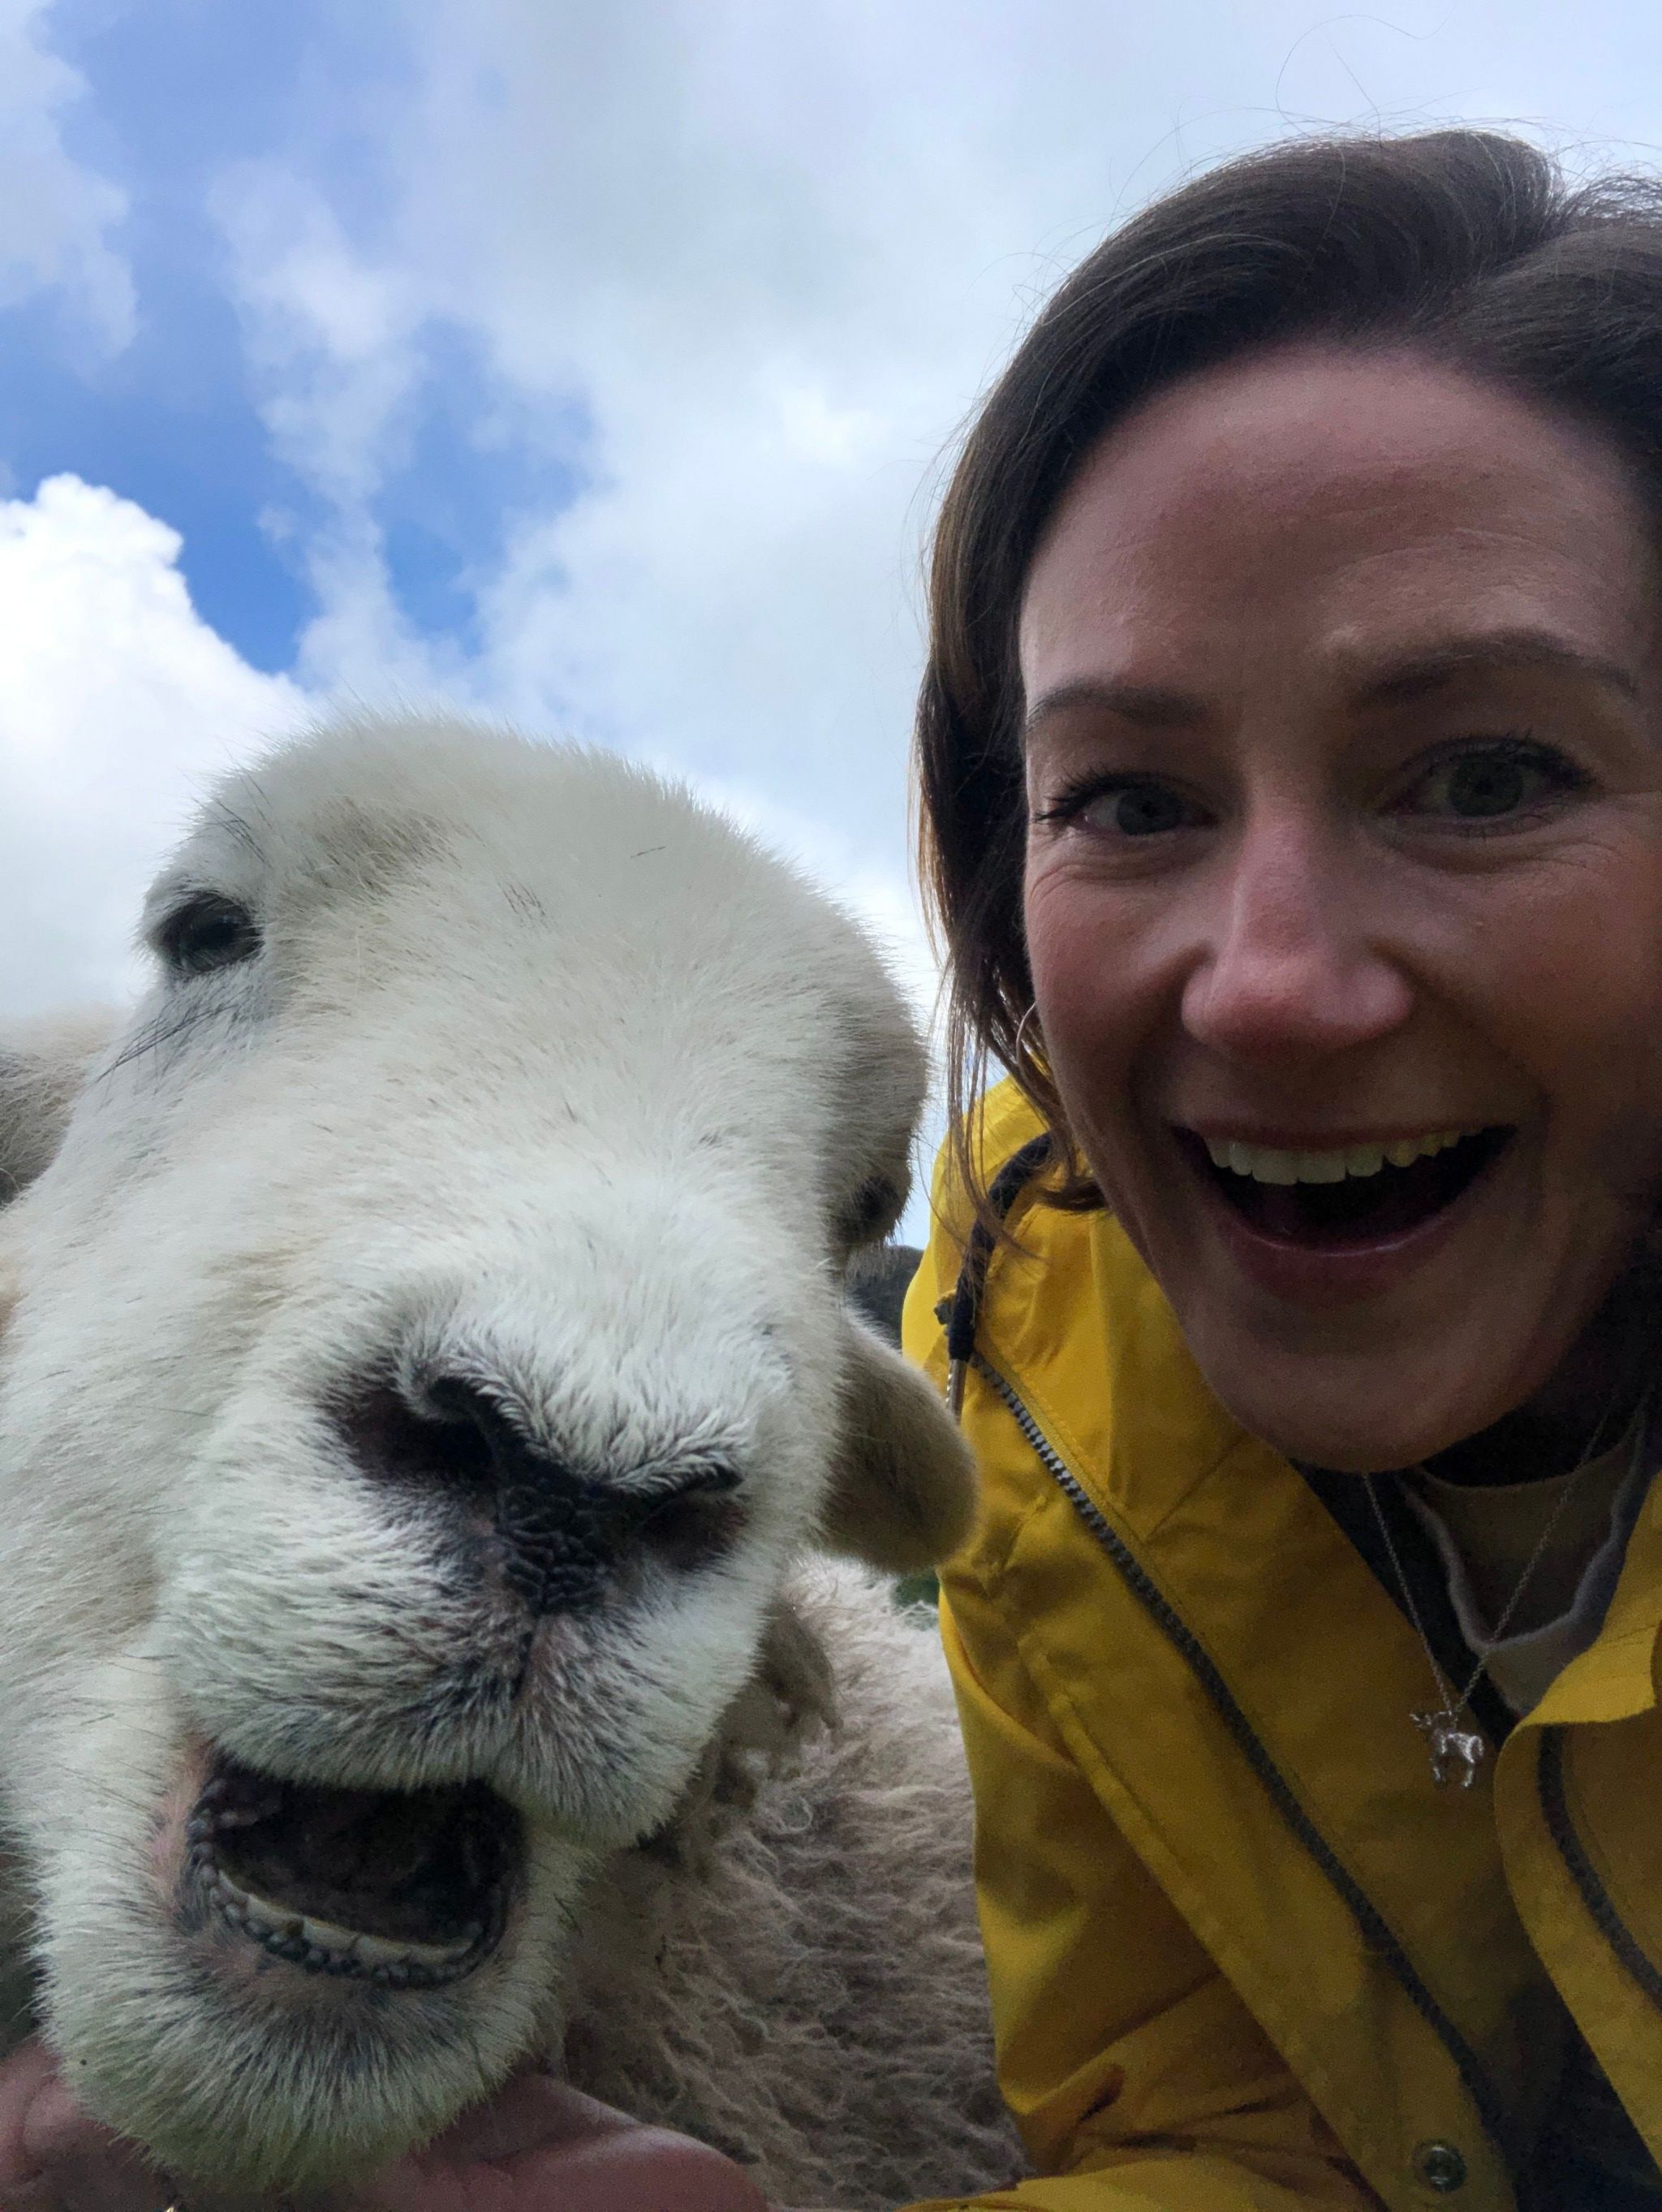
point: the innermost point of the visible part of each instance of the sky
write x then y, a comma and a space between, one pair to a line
593, 366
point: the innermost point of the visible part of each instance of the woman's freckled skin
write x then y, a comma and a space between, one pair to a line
1282, 598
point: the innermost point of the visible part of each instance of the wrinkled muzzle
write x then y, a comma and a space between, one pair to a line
449, 1606
451, 1596
448, 1587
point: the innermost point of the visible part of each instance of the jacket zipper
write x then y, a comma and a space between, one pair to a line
1375, 1929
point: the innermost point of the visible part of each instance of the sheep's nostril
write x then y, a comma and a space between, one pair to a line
697, 1521
445, 1448
560, 1535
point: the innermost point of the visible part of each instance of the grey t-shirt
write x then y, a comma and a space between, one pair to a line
1486, 1535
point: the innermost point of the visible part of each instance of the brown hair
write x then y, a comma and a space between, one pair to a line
1468, 244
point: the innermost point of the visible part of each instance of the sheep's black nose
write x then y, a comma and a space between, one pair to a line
561, 1533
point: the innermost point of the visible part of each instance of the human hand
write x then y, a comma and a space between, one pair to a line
537, 2145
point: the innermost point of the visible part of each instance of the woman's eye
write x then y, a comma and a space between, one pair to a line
1492, 783
1125, 806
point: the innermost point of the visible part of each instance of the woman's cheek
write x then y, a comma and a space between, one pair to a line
1095, 998
1571, 993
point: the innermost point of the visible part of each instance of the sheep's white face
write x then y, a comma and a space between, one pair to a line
427, 1353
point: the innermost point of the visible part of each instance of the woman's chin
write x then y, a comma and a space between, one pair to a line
1360, 1413
1365, 1399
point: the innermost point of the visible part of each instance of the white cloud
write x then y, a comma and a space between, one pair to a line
55, 214
332, 344
117, 703
327, 334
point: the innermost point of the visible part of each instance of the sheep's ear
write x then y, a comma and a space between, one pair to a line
903, 1487
43, 1064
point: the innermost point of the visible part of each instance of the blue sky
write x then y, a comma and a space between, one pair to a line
177, 94
173, 94
593, 365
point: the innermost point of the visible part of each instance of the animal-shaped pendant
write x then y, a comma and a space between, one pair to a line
1453, 1750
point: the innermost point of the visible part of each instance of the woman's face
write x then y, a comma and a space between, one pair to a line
1344, 890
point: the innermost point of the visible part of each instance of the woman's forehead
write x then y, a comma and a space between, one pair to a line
1376, 506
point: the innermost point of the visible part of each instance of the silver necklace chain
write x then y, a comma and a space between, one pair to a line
1452, 1748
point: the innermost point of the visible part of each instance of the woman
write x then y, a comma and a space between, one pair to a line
1292, 765
1292, 757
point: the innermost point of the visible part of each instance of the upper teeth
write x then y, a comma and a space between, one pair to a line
1265, 1163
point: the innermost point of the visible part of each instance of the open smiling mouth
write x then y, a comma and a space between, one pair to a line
405, 1888
1370, 1200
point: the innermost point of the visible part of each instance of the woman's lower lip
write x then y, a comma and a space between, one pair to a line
1333, 1275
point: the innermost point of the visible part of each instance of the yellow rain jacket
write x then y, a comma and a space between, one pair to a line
1242, 1954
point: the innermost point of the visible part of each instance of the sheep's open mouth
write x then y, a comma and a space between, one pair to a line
1356, 1208
405, 1888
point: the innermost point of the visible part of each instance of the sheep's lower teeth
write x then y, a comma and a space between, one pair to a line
326, 1948
407, 1888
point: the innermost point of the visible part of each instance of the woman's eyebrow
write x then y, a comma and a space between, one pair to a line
1426, 668
1373, 683
1152, 705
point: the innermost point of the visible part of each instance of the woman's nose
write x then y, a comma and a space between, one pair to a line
1288, 962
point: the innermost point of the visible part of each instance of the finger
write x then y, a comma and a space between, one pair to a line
54, 2158
534, 2111
539, 2144
545, 2143
627, 2170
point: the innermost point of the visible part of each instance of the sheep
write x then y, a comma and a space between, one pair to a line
426, 1392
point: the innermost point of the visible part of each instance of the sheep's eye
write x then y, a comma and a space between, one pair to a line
872, 1211
210, 931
